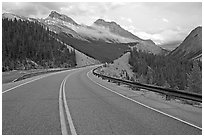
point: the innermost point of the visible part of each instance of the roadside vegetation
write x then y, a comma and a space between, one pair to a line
166, 71
28, 45
99, 50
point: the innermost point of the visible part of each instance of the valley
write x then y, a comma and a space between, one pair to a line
148, 59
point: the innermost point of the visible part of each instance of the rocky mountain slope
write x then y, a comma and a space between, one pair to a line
115, 29
62, 23
107, 39
191, 47
143, 45
81, 58
109, 32
27, 45
120, 68
12, 16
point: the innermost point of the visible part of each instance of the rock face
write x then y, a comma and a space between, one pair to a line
109, 32
116, 29
99, 34
120, 68
81, 58
143, 45
191, 47
62, 23
62, 17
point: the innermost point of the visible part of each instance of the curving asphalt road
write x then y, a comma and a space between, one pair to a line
69, 102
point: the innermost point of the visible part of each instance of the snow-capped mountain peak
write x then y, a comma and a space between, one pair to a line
62, 17
104, 23
101, 30
115, 28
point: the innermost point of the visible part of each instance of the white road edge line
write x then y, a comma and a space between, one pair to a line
35, 80
22, 84
144, 104
62, 99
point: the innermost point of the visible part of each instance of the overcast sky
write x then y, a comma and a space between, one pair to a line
164, 23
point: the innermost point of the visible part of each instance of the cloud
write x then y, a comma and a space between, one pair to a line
71, 8
126, 19
129, 20
165, 20
176, 7
171, 45
164, 36
159, 37
91, 8
159, 21
32, 9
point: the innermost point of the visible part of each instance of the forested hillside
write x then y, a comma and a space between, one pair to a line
167, 72
99, 50
27, 45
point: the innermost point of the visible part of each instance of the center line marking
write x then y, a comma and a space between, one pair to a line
71, 125
61, 111
63, 101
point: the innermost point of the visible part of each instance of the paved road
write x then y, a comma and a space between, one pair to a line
69, 102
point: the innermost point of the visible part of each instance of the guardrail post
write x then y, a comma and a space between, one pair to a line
168, 97
118, 83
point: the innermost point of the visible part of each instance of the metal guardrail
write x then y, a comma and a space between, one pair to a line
167, 91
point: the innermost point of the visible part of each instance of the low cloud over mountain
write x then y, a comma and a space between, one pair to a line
158, 22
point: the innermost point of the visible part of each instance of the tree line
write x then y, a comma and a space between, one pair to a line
27, 45
166, 71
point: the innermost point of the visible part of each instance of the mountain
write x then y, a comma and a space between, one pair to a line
115, 29
81, 58
100, 32
103, 40
120, 68
191, 47
143, 45
150, 47
102, 51
171, 45
28, 45
62, 17
62, 23
12, 16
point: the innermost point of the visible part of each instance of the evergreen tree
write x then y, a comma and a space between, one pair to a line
163, 70
195, 79
149, 76
143, 79
166, 84
24, 42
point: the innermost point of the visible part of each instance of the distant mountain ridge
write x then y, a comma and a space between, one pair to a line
116, 29
63, 17
99, 34
191, 47
14, 16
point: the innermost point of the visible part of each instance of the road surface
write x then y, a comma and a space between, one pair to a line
70, 102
